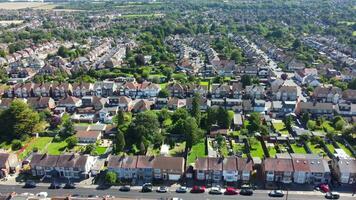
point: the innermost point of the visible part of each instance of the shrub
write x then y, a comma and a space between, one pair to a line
16, 145
110, 178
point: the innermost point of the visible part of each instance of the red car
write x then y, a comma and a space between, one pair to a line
324, 188
197, 189
230, 191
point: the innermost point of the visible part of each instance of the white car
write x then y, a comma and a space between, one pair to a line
162, 189
215, 190
182, 189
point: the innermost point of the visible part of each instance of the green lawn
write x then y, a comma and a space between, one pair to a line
272, 152
5, 145
100, 150
235, 133
315, 148
197, 150
256, 150
354, 33
327, 126
280, 127
204, 83
347, 151
178, 149
297, 149
331, 148
163, 85
39, 143
238, 147
56, 148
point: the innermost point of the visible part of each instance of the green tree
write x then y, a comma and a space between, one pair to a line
195, 112
120, 141
16, 145
167, 71
211, 117
89, 149
255, 122
120, 118
236, 55
164, 93
110, 178
246, 80
71, 141
224, 119
19, 119
67, 126
288, 122
180, 113
311, 125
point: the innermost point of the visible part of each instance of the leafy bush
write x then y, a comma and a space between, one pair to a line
16, 145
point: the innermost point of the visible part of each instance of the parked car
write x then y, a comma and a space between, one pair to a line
215, 190
69, 185
231, 191
332, 195
54, 185
162, 189
197, 189
276, 193
30, 184
147, 187
42, 194
125, 188
182, 189
324, 187
246, 191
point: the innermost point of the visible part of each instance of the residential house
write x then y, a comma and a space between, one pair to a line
303, 75
259, 105
192, 89
61, 90
247, 106
22, 90
215, 169
82, 89
201, 169
236, 90
204, 103
48, 70
61, 166
286, 93
42, 90
8, 164
142, 105
124, 166
230, 171
295, 65
278, 170
316, 109
245, 168
234, 104
105, 88
122, 102
175, 103
97, 103
70, 103
224, 67
40, 103
346, 109
177, 90
129, 89
327, 94
349, 95
220, 90
168, 168
145, 167
255, 91
148, 90
344, 170
86, 136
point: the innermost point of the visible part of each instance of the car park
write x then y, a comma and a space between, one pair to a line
30, 184
147, 187
215, 190
332, 195
125, 188
276, 193
197, 189
162, 189
230, 191
182, 189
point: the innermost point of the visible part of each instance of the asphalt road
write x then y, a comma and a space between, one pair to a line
153, 195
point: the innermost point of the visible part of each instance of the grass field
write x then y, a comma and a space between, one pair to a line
23, 5
39, 143
56, 148
204, 83
354, 33
197, 150
272, 152
280, 127
315, 148
178, 149
256, 150
343, 147
297, 149
331, 148
100, 150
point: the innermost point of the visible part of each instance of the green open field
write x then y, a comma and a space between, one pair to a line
347, 151
315, 148
280, 127
56, 148
257, 150
197, 150
39, 143
297, 149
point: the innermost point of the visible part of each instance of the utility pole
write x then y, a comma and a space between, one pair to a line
287, 195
